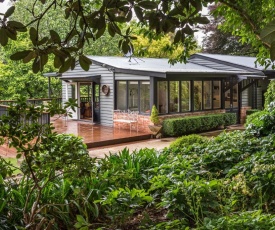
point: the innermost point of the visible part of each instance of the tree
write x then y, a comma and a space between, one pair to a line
88, 20
220, 42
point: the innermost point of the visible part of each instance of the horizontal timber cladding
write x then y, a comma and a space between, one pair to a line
245, 97
123, 76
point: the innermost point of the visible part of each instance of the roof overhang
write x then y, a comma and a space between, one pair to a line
252, 76
92, 78
53, 74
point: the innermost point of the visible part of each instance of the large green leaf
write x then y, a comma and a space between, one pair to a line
84, 62
148, 5
55, 37
20, 55
3, 37
9, 12
272, 51
268, 33
33, 35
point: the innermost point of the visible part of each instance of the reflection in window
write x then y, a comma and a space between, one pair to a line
216, 94
133, 95
162, 97
121, 95
145, 97
174, 96
227, 95
185, 96
207, 95
197, 95
235, 96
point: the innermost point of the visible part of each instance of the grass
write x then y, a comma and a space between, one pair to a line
15, 163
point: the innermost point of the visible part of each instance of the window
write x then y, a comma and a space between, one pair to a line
185, 96
162, 99
235, 96
174, 96
145, 97
133, 95
121, 95
216, 94
207, 95
197, 95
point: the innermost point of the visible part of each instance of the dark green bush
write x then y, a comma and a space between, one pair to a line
195, 124
251, 111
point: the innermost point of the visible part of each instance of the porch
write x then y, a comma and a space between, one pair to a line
95, 135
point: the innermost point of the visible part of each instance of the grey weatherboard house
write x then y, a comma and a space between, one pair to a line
206, 84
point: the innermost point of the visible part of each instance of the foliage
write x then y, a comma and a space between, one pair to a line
226, 182
154, 117
194, 124
269, 94
251, 111
262, 123
186, 141
220, 42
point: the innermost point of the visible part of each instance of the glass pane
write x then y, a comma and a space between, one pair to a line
235, 96
197, 95
162, 97
121, 97
185, 96
227, 95
174, 96
216, 94
145, 97
133, 95
207, 94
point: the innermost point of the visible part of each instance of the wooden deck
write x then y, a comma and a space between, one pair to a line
95, 135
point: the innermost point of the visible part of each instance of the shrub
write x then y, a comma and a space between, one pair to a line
196, 124
154, 115
185, 141
251, 111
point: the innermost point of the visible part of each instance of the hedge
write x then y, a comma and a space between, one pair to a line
175, 127
251, 111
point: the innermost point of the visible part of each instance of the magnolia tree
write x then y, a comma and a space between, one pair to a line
86, 21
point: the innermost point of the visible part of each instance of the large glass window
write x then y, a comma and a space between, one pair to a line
197, 95
235, 96
185, 96
133, 95
207, 95
227, 95
216, 94
162, 97
145, 97
121, 95
174, 96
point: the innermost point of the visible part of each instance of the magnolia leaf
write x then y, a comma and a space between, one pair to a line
33, 35
29, 57
17, 25
100, 32
11, 33
9, 12
43, 1
148, 5
35, 65
201, 20
268, 33
187, 30
111, 30
272, 51
44, 59
177, 37
65, 66
42, 41
20, 55
139, 13
55, 37
84, 62
73, 63
125, 47
3, 37
57, 61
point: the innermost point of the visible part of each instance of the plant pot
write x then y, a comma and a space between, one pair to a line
155, 129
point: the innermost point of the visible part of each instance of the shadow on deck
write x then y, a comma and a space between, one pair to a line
95, 135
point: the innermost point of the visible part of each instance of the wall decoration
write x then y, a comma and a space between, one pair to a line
105, 89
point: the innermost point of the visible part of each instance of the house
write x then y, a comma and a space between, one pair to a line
206, 84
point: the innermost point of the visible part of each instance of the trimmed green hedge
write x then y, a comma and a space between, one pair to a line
175, 127
251, 111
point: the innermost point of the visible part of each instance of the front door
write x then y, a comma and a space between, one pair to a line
85, 101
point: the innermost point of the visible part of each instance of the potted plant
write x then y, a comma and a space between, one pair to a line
156, 128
